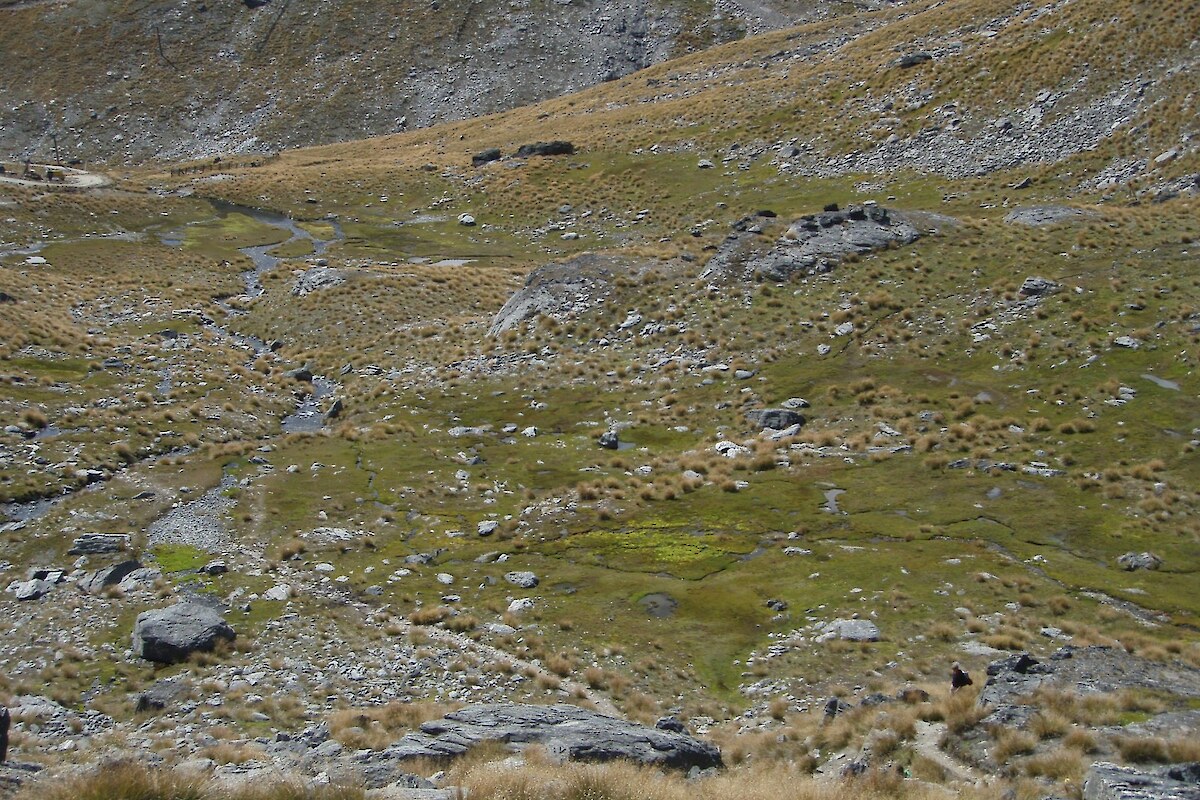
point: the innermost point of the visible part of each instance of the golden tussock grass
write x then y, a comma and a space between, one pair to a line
621, 781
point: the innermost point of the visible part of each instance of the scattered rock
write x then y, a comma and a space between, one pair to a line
466, 220
487, 527
170, 635
609, 440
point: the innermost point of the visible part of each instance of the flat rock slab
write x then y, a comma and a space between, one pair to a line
96, 543
567, 732
1037, 216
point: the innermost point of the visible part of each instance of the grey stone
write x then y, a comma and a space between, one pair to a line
554, 148
566, 732
1037, 216
1127, 342
609, 440
775, 418
486, 157
851, 630
487, 527
1036, 286
96, 581
162, 694
314, 279
99, 543
909, 60
32, 589
1106, 781
524, 580
1136, 561
170, 635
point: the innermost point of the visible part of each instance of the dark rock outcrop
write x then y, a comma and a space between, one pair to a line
485, 157
566, 732
170, 635
555, 148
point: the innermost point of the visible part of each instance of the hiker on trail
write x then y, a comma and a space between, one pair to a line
5, 722
958, 678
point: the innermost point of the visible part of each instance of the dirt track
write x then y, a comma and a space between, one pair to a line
73, 178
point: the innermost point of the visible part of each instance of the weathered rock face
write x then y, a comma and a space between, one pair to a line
812, 244
536, 51
1107, 781
567, 732
563, 289
170, 635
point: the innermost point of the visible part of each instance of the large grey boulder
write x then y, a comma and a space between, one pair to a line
33, 589
170, 635
1106, 781
567, 732
1136, 561
525, 580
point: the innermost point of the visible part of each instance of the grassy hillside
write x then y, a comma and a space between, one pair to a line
976, 455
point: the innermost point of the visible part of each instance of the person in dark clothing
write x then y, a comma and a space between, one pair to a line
5, 722
958, 678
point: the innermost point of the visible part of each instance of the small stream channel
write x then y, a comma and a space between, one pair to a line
307, 417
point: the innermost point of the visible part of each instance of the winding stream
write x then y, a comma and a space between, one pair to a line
307, 417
